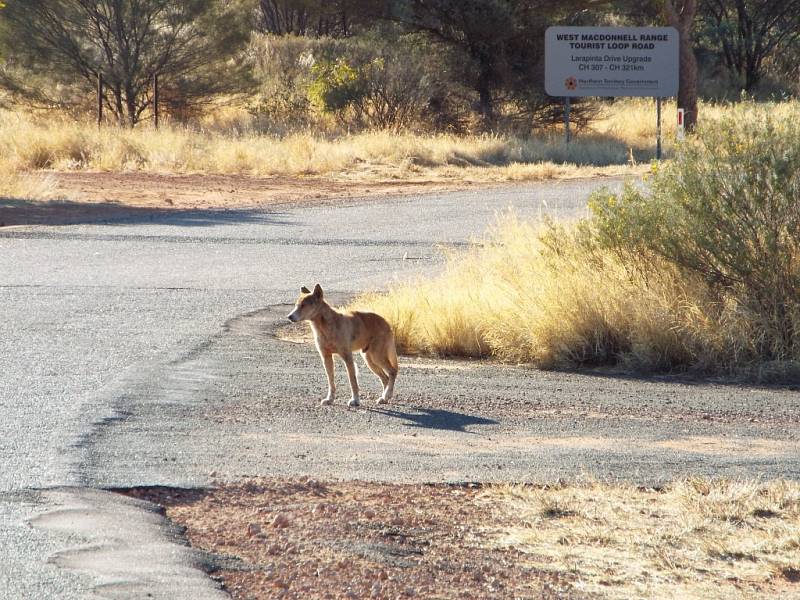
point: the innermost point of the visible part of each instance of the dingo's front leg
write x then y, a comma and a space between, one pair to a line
327, 360
351, 373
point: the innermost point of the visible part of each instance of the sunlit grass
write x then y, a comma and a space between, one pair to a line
697, 538
623, 135
543, 296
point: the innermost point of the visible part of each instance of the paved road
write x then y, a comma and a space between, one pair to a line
147, 352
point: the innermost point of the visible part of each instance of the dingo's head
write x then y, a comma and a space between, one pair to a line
307, 305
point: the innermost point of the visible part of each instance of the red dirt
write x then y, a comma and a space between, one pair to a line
90, 197
308, 539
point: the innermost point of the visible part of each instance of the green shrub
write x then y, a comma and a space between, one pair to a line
726, 208
337, 86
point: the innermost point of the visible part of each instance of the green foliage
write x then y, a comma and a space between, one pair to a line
57, 49
337, 85
726, 209
379, 81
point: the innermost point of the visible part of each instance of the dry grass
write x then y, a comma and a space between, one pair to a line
625, 135
697, 538
514, 297
26, 144
26, 186
544, 295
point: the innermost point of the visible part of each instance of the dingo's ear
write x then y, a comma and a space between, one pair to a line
318, 291
305, 290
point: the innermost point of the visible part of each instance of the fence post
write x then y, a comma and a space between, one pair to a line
99, 99
155, 99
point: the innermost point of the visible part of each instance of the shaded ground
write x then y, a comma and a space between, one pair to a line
302, 538
93, 197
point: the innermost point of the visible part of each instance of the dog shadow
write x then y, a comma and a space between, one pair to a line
445, 420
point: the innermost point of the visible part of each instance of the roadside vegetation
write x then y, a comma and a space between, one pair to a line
696, 538
362, 89
699, 270
235, 145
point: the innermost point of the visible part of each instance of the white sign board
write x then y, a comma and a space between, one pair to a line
611, 61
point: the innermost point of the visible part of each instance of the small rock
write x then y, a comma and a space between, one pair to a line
212, 474
369, 513
281, 520
253, 529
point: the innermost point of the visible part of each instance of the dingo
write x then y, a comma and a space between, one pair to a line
342, 333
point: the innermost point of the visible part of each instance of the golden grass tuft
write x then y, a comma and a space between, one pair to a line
625, 130
509, 298
697, 538
545, 296
26, 186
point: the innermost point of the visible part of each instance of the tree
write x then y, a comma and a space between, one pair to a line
335, 18
127, 42
503, 40
749, 31
680, 14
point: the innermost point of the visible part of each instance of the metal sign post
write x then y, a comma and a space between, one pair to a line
566, 119
658, 128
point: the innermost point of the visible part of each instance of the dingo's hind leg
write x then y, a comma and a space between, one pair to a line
376, 368
383, 362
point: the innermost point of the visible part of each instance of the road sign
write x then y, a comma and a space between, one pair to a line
611, 61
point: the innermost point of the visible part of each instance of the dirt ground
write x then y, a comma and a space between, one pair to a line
96, 196
308, 539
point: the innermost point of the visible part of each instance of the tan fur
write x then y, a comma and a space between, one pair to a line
343, 333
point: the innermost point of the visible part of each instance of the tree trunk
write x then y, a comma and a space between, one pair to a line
683, 20
485, 103
484, 87
118, 110
130, 106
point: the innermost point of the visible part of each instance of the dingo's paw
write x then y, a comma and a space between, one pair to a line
326, 402
383, 400
354, 402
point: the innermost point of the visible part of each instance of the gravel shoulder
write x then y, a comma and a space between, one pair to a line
246, 403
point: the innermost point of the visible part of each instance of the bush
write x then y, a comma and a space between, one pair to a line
378, 83
378, 80
726, 209
699, 270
